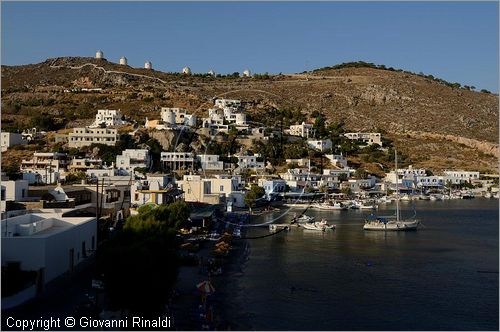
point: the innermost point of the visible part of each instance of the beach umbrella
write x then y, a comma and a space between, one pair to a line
206, 287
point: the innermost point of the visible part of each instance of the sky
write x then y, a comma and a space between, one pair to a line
455, 41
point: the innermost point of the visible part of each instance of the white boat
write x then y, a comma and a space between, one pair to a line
406, 198
385, 199
302, 219
335, 206
392, 223
467, 195
318, 226
385, 224
363, 206
436, 197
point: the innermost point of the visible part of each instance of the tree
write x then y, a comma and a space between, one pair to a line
252, 195
361, 173
140, 262
76, 177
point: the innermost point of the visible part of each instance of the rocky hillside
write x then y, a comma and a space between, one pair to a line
436, 124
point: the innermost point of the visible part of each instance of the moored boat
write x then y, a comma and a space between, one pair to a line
392, 223
318, 226
334, 206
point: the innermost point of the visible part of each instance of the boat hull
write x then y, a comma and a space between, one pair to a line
397, 226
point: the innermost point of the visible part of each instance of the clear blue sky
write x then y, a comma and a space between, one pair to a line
456, 41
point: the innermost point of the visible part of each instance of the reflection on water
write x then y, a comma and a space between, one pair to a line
347, 278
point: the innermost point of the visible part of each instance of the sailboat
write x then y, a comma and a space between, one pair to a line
392, 223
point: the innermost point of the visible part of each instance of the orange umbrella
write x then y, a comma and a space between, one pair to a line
206, 287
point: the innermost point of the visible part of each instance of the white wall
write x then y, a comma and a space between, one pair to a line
51, 251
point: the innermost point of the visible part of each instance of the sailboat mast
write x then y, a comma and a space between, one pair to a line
397, 185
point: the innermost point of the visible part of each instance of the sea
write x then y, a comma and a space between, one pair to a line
444, 276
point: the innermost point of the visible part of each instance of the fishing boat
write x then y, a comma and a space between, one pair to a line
318, 226
391, 223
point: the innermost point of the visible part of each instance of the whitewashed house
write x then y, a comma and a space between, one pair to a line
459, 177
305, 130
250, 162
44, 167
131, 159
214, 190
320, 145
108, 118
368, 138
155, 189
177, 116
177, 160
48, 243
10, 139
210, 162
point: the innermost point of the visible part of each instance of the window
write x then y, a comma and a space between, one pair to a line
221, 188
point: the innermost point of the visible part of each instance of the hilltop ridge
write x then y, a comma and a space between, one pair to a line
438, 124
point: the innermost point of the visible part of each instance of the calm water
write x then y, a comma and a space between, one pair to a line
442, 277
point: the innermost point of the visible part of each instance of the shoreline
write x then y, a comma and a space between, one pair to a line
186, 305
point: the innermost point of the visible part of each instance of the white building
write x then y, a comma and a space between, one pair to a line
210, 162
358, 185
303, 130
81, 137
177, 116
320, 145
123, 61
405, 179
299, 178
215, 190
109, 118
272, 187
10, 139
148, 65
458, 177
433, 181
247, 73
44, 167
99, 54
250, 162
232, 109
177, 160
133, 158
411, 172
155, 189
32, 134
368, 138
186, 70
48, 243
13, 191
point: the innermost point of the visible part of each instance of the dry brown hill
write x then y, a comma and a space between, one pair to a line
437, 125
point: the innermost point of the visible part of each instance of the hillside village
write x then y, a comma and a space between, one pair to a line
217, 159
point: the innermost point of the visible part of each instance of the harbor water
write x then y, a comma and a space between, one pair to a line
442, 277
